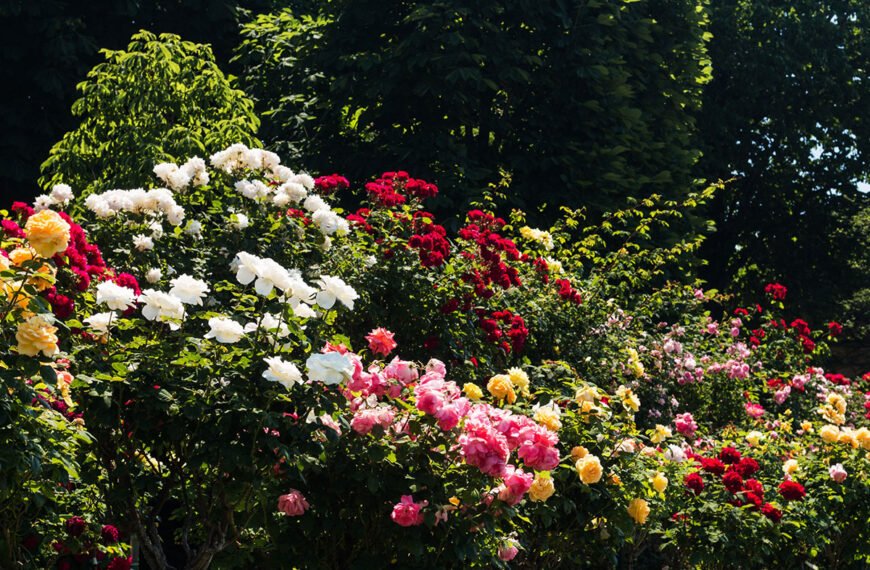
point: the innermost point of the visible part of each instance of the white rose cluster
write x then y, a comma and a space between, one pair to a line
60, 195
180, 177
154, 201
267, 274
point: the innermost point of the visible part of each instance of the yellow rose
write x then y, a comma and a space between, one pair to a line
589, 469
829, 433
16, 294
638, 510
660, 482
790, 466
863, 437
519, 379
542, 489
661, 433
40, 283
35, 335
613, 479
807, 426
848, 437
502, 388
578, 452
586, 394
630, 401
472, 391
64, 379
47, 232
20, 255
838, 402
548, 416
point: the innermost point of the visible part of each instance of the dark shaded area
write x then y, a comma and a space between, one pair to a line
48, 46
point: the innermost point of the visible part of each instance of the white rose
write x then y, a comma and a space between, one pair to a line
161, 306
225, 330
116, 297
285, 373
153, 275
143, 242
188, 290
329, 368
332, 289
100, 321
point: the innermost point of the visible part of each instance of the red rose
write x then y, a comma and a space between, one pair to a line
733, 482
695, 483
746, 467
729, 455
771, 512
712, 465
792, 491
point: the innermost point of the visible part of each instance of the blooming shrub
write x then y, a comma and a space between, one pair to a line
288, 382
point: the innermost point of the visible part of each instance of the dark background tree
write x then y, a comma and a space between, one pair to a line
582, 103
48, 46
786, 113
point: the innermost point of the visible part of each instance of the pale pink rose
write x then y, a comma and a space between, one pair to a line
401, 370
407, 512
293, 503
516, 484
837, 472
381, 341
435, 365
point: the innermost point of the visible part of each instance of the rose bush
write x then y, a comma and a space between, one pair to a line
265, 377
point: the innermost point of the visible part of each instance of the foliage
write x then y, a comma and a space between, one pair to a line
784, 115
161, 98
459, 94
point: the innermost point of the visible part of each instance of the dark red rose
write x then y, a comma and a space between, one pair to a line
695, 483
729, 455
792, 491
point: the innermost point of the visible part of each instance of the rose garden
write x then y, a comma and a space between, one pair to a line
235, 362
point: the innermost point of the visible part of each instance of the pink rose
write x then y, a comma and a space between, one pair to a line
686, 424
401, 370
837, 472
293, 503
407, 512
507, 553
381, 341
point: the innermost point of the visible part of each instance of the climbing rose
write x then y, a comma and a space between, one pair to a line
293, 503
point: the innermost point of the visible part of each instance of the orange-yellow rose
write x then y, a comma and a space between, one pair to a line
47, 232
578, 452
542, 489
638, 509
20, 255
35, 335
502, 388
589, 469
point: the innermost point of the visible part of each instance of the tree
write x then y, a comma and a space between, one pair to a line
162, 98
785, 115
584, 104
